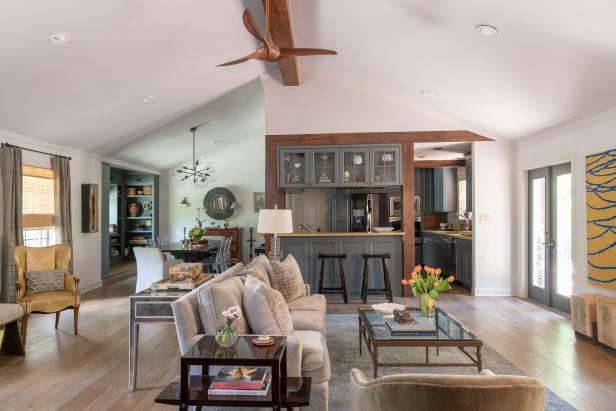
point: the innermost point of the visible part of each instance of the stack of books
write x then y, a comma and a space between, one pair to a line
423, 326
254, 384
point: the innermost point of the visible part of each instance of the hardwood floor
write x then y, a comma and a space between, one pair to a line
90, 371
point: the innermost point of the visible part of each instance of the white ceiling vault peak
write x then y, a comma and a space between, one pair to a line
552, 61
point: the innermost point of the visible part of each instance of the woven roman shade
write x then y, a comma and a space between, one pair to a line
38, 197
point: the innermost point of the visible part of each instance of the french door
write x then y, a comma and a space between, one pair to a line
550, 263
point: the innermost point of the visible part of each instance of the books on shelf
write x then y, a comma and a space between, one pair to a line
422, 326
256, 384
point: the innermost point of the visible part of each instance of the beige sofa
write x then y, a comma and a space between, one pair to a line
198, 313
431, 392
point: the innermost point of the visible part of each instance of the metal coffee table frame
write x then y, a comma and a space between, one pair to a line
374, 342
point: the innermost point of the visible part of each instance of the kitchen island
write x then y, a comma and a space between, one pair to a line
306, 248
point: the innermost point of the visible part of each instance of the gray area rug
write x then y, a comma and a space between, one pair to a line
342, 342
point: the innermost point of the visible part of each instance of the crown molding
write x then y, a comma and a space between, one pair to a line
565, 127
42, 145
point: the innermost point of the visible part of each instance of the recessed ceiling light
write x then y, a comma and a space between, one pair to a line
421, 156
148, 99
427, 94
59, 38
215, 142
486, 30
438, 148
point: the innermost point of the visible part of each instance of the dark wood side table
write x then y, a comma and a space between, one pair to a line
191, 390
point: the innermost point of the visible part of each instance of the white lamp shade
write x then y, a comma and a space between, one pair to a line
276, 221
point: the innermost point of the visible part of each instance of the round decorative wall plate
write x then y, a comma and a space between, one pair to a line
217, 203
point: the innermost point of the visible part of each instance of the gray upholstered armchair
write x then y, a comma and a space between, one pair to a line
431, 392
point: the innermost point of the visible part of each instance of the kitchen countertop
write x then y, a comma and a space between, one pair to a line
353, 234
453, 234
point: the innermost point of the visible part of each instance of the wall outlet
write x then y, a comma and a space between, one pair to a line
484, 218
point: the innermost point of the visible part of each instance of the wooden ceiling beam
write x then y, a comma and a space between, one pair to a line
282, 33
377, 137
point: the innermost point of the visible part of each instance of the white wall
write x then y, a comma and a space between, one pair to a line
85, 168
568, 144
240, 168
493, 218
329, 105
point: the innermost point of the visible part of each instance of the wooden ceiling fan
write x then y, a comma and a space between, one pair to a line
269, 51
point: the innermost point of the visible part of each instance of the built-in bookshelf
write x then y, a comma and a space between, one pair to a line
129, 208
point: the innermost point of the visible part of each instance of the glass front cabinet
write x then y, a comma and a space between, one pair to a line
339, 166
385, 166
324, 167
355, 166
293, 167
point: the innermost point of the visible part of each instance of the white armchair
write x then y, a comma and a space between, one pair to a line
151, 266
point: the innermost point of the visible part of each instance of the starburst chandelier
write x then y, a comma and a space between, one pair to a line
194, 174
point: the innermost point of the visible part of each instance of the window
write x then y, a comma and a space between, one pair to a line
462, 196
38, 207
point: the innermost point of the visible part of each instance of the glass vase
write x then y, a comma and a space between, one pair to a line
427, 305
227, 336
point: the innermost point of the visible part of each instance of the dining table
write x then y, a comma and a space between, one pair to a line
193, 254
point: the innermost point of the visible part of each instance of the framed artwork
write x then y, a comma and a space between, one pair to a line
89, 208
258, 201
601, 219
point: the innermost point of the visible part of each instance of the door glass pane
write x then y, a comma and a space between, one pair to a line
294, 167
355, 163
384, 166
537, 245
564, 263
324, 167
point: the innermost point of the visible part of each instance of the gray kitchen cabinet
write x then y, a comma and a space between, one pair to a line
306, 249
354, 166
439, 252
445, 189
427, 190
417, 182
324, 167
293, 167
464, 262
385, 165
342, 217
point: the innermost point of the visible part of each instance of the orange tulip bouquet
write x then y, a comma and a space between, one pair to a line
428, 286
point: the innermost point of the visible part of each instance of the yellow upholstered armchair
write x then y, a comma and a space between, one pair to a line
47, 258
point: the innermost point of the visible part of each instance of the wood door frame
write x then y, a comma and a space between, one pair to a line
275, 196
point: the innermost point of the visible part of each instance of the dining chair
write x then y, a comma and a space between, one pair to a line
151, 266
219, 262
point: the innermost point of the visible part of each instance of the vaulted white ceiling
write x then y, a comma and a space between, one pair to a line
552, 62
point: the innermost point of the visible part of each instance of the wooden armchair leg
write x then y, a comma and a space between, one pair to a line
76, 319
57, 319
24, 328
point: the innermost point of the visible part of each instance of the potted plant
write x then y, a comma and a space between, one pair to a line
428, 286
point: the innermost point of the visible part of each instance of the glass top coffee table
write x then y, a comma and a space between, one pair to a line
449, 333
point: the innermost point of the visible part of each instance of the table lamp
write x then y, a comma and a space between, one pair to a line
276, 221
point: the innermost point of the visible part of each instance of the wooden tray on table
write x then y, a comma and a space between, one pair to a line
188, 284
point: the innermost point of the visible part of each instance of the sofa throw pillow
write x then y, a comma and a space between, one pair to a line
261, 265
44, 281
265, 309
287, 278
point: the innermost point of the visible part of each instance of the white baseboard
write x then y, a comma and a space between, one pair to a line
84, 288
493, 292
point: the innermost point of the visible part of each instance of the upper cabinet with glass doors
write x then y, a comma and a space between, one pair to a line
339, 166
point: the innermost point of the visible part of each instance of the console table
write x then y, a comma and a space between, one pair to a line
147, 307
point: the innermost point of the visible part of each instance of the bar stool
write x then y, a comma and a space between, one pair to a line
342, 287
364, 287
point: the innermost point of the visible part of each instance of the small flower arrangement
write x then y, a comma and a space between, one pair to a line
428, 286
227, 335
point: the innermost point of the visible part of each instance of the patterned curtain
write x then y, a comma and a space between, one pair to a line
10, 219
61, 167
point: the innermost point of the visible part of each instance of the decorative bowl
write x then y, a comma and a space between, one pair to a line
382, 229
387, 308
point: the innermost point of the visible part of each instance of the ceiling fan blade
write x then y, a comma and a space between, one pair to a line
297, 52
251, 56
251, 26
